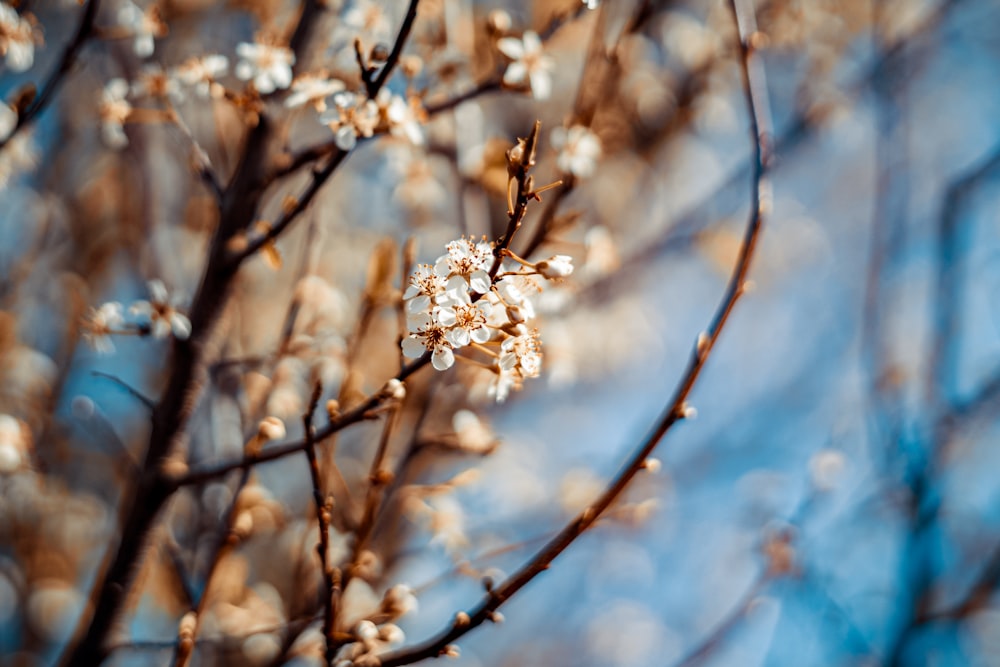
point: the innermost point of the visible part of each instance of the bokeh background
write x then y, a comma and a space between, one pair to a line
833, 503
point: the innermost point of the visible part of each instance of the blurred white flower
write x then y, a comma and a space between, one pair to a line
201, 74
8, 120
530, 67
114, 111
144, 26
17, 39
13, 443
270, 67
161, 313
313, 89
100, 323
579, 150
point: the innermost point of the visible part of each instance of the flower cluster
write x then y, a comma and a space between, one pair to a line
17, 39
352, 116
466, 300
158, 316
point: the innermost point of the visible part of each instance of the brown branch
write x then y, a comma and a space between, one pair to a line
361, 412
330, 577
66, 62
375, 86
755, 89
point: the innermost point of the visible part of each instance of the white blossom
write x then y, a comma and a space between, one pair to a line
313, 89
402, 120
13, 443
161, 312
579, 150
521, 355
470, 260
529, 66
144, 26
466, 321
270, 67
17, 39
18, 155
115, 110
428, 335
424, 288
201, 74
100, 323
350, 118
8, 120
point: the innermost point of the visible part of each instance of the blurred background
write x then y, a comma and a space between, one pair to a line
833, 503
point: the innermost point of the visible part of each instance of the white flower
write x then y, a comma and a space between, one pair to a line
521, 355
115, 110
466, 322
17, 39
100, 323
365, 17
425, 286
402, 120
428, 335
509, 293
144, 26
18, 155
579, 150
8, 120
558, 266
470, 260
530, 67
270, 67
12, 443
162, 313
201, 74
350, 118
500, 388
154, 82
312, 89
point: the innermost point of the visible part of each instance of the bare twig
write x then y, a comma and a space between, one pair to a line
330, 576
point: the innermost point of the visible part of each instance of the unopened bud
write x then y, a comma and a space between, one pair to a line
652, 465
271, 428
558, 266
462, 619
394, 389
365, 631
499, 21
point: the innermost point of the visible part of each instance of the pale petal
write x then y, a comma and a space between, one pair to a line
412, 347
443, 358
511, 47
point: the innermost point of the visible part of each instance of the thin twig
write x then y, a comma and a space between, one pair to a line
330, 577
132, 391
755, 89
